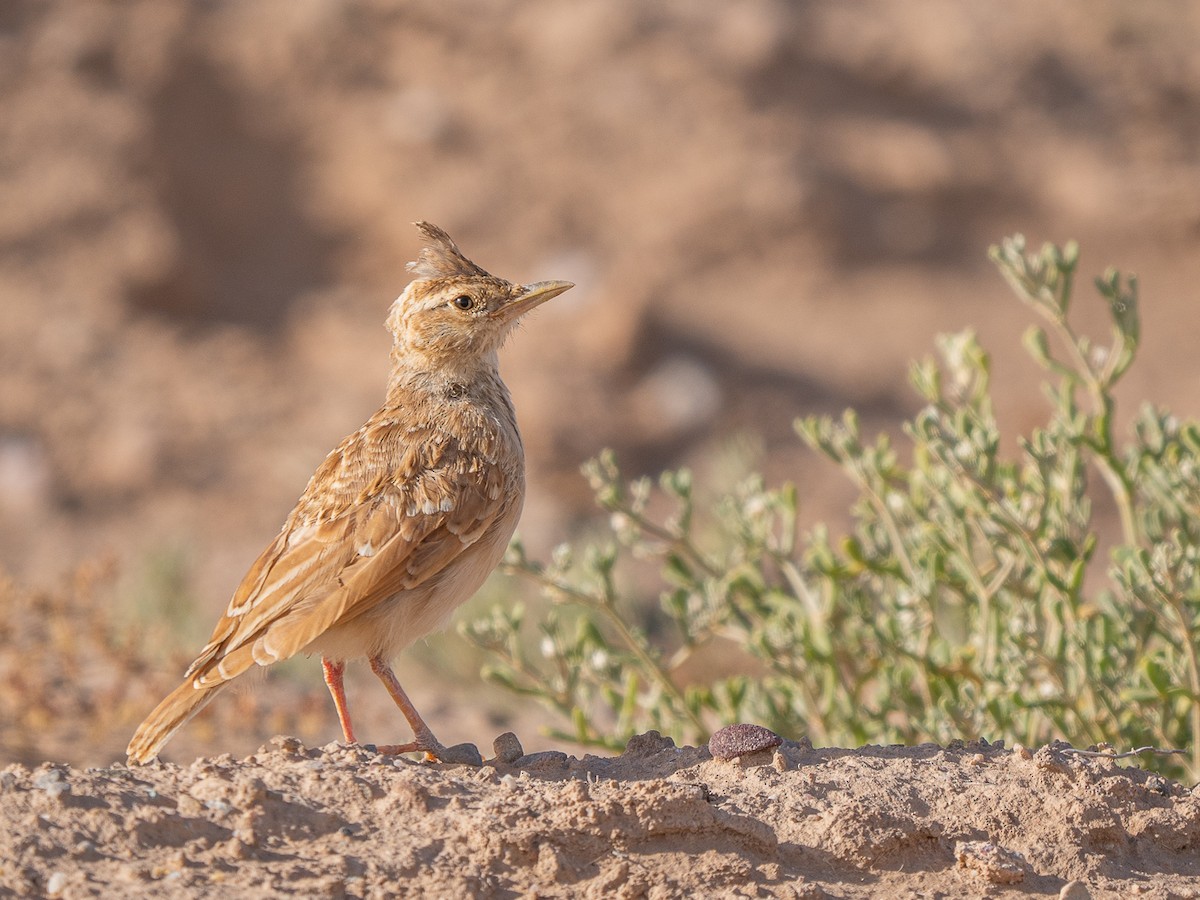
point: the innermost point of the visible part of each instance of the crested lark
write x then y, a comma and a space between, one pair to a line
403, 521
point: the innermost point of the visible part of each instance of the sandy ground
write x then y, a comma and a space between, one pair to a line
975, 820
769, 208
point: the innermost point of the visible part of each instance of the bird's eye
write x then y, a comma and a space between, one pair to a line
462, 301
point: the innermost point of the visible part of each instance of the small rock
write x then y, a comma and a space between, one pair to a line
996, 864
55, 884
780, 762
1074, 890
466, 754
546, 759
507, 747
737, 740
1022, 752
647, 744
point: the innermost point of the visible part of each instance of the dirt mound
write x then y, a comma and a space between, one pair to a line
657, 821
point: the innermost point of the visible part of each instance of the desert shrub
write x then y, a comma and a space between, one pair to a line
976, 594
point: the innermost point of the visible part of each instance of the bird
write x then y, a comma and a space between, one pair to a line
402, 522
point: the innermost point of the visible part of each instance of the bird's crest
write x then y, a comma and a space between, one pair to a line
440, 257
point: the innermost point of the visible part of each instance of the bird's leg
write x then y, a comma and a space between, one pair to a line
424, 737
334, 669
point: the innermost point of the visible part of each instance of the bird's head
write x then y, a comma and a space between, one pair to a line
455, 315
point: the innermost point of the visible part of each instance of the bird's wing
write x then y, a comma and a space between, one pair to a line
366, 529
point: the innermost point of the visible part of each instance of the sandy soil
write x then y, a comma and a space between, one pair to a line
769, 208
973, 820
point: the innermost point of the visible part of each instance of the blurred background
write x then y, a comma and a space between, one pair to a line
768, 209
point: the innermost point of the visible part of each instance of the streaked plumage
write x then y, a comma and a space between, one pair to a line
403, 521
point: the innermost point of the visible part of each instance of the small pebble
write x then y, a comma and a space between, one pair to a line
1021, 751
647, 744
736, 740
56, 883
507, 747
546, 759
780, 762
463, 754
1074, 890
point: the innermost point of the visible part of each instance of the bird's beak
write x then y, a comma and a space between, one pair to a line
532, 295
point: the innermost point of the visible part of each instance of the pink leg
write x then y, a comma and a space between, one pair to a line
334, 669
424, 737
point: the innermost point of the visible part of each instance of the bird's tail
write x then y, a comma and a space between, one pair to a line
168, 717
